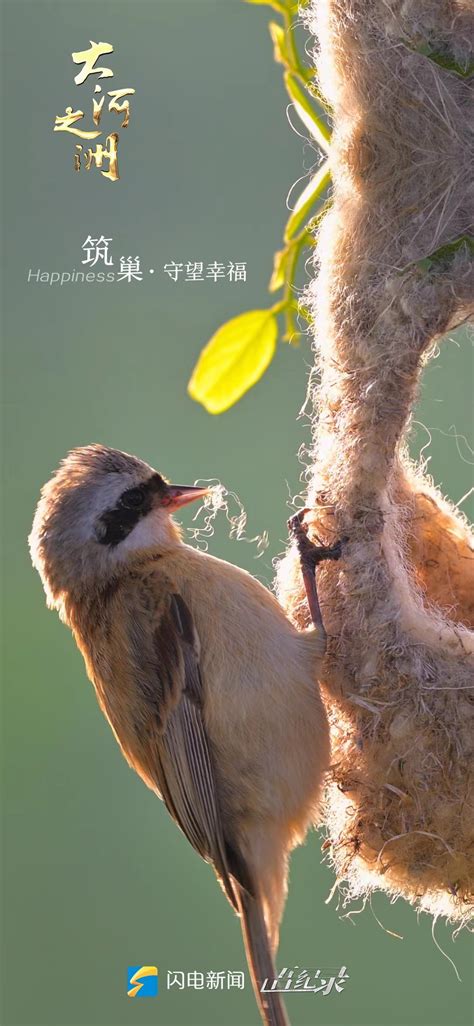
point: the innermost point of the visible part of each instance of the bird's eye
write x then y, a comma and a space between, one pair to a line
133, 498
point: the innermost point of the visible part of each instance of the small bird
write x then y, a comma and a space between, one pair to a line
209, 690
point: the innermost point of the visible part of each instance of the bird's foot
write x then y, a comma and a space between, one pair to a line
310, 556
310, 553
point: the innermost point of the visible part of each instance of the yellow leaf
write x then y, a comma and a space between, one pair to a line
234, 359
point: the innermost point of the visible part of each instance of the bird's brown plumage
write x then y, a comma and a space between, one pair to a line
209, 690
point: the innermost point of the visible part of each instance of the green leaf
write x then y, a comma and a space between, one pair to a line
308, 197
292, 331
280, 265
441, 258
445, 60
282, 6
278, 6
281, 52
304, 312
285, 260
305, 110
234, 359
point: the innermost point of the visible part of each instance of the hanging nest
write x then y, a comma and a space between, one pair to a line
394, 275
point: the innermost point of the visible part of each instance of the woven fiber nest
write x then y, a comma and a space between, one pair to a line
399, 607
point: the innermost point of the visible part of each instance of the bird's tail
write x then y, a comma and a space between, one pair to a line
260, 959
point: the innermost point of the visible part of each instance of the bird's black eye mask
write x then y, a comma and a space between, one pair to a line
135, 503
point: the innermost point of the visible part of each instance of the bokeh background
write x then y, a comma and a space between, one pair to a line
96, 877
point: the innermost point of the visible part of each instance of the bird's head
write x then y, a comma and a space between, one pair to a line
101, 507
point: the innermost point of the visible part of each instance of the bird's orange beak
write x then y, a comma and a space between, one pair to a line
176, 496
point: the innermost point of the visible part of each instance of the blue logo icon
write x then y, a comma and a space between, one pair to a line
142, 981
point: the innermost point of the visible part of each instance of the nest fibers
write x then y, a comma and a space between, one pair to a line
399, 607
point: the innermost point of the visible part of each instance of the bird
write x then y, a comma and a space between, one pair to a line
211, 693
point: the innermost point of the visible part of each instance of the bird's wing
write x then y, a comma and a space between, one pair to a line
184, 766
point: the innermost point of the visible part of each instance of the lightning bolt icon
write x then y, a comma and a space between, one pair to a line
140, 974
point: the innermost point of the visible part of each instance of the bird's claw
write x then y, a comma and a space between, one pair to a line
309, 552
296, 525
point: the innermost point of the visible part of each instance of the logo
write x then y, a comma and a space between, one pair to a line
142, 981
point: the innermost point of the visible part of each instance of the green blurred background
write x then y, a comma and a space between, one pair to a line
96, 876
